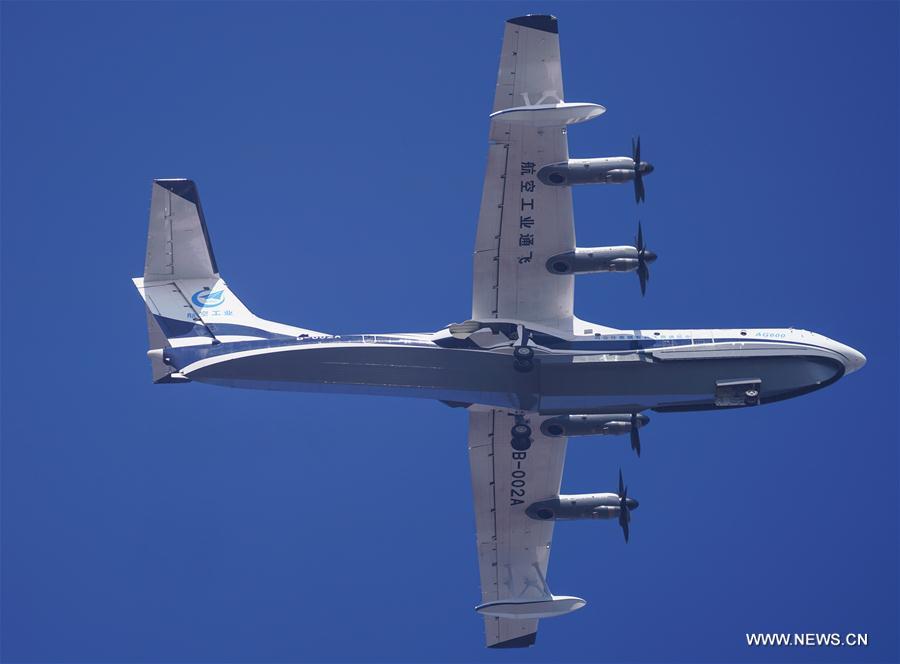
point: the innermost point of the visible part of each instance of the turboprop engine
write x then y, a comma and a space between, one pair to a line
600, 170
596, 170
578, 506
585, 260
597, 425
592, 425
587, 506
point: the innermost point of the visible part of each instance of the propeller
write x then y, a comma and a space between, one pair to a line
638, 170
624, 514
645, 257
635, 435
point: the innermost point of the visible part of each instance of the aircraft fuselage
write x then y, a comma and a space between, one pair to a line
625, 372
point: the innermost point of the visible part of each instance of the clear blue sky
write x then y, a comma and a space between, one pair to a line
339, 151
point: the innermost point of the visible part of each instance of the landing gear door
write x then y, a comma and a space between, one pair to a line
738, 392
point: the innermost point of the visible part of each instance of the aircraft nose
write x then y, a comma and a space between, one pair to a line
852, 359
631, 504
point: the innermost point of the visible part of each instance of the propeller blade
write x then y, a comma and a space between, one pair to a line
638, 174
635, 435
624, 514
624, 519
643, 272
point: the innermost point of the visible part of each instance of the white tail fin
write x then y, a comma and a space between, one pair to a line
188, 303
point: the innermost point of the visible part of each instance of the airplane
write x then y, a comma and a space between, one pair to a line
530, 373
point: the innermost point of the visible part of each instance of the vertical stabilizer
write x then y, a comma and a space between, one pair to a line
178, 245
188, 303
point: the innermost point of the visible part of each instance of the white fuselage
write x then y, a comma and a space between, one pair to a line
600, 370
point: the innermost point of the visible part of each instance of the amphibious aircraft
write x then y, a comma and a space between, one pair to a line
529, 372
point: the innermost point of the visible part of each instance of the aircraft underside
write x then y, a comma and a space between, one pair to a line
557, 384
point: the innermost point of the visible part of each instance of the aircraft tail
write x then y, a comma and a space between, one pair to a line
187, 301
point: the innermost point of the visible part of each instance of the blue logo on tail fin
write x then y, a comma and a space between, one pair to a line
205, 298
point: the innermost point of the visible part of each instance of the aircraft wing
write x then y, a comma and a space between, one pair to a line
513, 549
523, 222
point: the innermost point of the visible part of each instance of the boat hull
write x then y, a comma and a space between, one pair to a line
559, 383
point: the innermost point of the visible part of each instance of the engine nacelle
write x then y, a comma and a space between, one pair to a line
580, 506
585, 260
590, 425
597, 170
